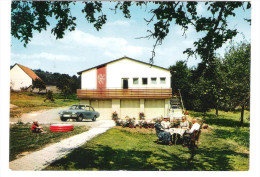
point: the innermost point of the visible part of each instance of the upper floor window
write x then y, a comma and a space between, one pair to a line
144, 81
162, 80
135, 81
153, 80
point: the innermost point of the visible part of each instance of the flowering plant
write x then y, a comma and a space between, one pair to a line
186, 113
114, 115
141, 116
129, 123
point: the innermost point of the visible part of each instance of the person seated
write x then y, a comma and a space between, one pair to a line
166, 124
184, 123
36, 128
189, 133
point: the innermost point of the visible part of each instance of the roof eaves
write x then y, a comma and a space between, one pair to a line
101, 65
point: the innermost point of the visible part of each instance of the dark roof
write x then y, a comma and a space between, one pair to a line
98, 66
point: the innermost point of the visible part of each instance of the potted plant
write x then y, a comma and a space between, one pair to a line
114, 115
141, 116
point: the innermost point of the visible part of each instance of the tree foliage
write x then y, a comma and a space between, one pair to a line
39, 84
64, 82
222, 84
29, 16
237, 71
181, 80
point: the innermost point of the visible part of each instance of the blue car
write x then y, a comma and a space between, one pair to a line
79, 112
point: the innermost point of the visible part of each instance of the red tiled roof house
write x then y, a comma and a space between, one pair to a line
21, 77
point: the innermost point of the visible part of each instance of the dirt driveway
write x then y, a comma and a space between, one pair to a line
51, 116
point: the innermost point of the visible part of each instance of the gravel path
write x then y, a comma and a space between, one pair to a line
40, 159
43, 116
51, 116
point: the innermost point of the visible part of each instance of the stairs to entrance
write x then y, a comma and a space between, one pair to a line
175, 102
176, 107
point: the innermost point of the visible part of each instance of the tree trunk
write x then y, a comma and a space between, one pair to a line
217, 110
242, 117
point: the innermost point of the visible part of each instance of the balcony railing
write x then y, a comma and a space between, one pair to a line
123, 93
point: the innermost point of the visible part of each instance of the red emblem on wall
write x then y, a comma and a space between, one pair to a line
101, 77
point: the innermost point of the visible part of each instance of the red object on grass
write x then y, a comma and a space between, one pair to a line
61, 127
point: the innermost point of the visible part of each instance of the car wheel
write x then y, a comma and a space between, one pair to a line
80, 118
63, 119
94, 118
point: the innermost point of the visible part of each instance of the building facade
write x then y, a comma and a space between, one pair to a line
128, 87
21, 77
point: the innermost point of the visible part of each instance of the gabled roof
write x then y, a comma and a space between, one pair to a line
98, 66
29, 72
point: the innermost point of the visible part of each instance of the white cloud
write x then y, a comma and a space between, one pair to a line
43, 55
120, 23
110, 46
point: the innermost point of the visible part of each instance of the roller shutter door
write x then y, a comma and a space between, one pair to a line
153, 108
104, 107
130, 108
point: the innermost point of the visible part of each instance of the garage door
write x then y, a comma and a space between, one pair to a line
104, 107
153, 108
130, 108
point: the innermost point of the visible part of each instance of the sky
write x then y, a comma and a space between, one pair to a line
86, 47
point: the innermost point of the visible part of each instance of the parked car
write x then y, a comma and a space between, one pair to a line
79, 112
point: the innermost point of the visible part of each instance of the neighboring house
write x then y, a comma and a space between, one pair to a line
21, 77
127, 86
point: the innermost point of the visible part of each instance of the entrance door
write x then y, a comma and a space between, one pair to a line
125, 83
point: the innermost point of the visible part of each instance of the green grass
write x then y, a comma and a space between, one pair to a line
28, 102
225, 148
22, 140
227, 125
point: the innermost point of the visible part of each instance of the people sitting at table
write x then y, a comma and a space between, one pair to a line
189, 133
184, 123
36, 128
166, 124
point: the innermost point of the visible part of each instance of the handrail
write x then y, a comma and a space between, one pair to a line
124, 93
181, 101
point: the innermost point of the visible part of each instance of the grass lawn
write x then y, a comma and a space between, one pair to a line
28, 102
225, 147
23, 141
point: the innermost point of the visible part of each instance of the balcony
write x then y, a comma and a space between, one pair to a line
123, 93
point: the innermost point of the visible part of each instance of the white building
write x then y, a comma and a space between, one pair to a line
127, 86
21, 77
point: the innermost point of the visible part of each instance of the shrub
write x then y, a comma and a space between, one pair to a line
49, 96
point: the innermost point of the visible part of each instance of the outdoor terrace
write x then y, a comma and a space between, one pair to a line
123, 93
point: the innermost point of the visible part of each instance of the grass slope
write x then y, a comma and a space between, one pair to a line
28, 102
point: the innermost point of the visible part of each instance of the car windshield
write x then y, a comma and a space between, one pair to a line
82, 107
74, 107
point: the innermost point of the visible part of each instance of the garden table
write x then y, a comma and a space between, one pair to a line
176, 131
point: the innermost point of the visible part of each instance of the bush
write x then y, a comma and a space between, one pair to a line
49, 96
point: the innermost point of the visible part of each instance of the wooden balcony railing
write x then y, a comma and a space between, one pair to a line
123, 93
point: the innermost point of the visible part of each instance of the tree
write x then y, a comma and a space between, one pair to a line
49, 96
38, 83
181, 80
29, 16
68, 85
237, 70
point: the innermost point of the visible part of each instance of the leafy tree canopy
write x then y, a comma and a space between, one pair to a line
29, 16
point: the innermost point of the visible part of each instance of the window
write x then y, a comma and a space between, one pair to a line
162, 80
153, 79
144, 81
135, 81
